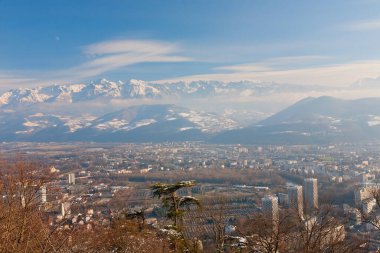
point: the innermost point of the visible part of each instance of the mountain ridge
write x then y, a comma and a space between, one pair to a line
37, 115
134, 89
319, 120
162, 122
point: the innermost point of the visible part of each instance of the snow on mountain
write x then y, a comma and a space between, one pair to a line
209, 123
75, 123
91, 112
311, 120
139, 116
373, 120
163, 122
5, 98
31, 124
134, 89
102, 88
139, 89
23, 96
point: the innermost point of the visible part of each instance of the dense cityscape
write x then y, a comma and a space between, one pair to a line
93, 184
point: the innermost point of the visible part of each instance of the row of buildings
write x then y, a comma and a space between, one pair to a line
295, 198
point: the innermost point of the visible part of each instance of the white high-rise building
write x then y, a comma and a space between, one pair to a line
43, 193
311, 193
71, 178
270, 207
295, 199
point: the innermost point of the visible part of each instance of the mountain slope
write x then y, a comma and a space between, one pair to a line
138, 123
139, 111
313, 121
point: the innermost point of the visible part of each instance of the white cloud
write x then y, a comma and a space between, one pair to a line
341, 75
272, 63
254, 67
362, 25
111, 55
300, 59
102, 58
11, 80
127, 46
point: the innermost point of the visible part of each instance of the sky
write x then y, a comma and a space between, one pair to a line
327, 42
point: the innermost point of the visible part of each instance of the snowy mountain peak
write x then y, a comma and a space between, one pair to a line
101, 81
134, 89
4, 99
136, 82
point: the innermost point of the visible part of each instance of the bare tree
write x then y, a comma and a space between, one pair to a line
219, 223
319, 233
138, 215
122, 236
264, 234
24, 226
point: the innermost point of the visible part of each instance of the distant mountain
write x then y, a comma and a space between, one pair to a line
132, 90
313, 121
144, 111
146, 123
103, 96
73, 93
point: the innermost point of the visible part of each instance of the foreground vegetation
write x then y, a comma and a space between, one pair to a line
25, 226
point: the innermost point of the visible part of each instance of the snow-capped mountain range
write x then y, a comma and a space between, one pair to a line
134, 89
79, 92
88, 111
138, 111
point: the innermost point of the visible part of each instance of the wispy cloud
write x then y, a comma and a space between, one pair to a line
271, 64
362, 25
12, 80
300, 59
104, 57
127, 46
101, 58
111, 55
340, 75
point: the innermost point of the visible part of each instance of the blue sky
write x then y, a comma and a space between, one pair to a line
331, 42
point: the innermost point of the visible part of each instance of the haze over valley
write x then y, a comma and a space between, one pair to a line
191, 126
137, 111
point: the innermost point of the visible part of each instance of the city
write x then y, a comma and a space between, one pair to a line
93, 184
